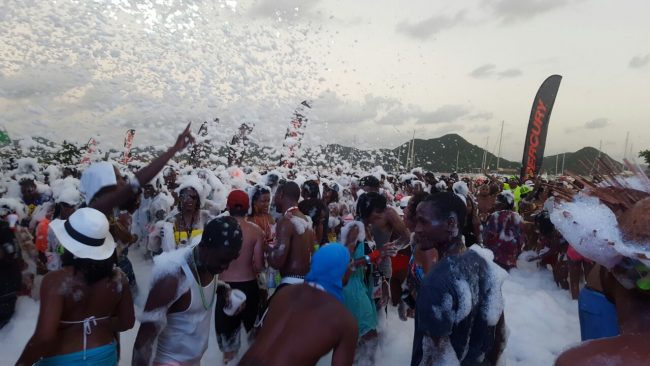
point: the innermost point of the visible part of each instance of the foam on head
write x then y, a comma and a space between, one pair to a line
222, 233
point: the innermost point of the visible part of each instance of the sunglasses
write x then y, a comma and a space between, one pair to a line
185, 195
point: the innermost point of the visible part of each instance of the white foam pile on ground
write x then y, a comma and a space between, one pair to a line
542, 321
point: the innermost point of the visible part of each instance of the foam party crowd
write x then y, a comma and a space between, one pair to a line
177, 264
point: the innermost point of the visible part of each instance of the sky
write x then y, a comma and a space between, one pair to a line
376, 72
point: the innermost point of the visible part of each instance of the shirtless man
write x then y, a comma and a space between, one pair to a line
386, 227
632, 302
241, 275
486, 202
294, 237
307, 321
178, 309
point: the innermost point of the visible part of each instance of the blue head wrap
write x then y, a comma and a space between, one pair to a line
328, 266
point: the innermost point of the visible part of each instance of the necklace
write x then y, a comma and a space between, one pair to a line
206, 306
188, 230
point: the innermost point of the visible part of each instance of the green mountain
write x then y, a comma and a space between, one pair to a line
581, 162
440, 155
448, 153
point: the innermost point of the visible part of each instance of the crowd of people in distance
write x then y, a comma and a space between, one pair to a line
277, 252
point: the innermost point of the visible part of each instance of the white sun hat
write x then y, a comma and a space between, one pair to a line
85, 234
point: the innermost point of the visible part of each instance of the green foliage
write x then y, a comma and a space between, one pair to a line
68, 154
645, 154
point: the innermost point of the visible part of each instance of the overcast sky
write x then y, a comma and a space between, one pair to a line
376, 71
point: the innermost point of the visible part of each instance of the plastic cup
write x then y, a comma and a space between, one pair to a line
12, 219
237, 298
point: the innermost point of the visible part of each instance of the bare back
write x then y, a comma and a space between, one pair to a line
249, 262
107, 298
303, 324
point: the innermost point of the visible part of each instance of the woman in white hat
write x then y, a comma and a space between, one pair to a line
84, 304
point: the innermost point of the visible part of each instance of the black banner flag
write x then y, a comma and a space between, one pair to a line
540, 116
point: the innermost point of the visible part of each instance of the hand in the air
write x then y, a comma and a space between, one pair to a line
184, 139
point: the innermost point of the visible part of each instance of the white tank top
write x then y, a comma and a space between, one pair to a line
185, 337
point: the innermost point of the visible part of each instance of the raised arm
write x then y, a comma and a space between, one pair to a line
123, 193
154, 318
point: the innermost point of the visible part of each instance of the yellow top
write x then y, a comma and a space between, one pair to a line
180, 237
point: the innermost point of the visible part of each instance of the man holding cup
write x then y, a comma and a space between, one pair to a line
175, 323
241, 276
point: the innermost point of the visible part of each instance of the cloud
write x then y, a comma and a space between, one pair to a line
481, 129
427, 28
43, 81
597, 123
286, 9
509, 73
638, 62
512, 11
483, 72
397, 116
451, 128
480, 116
489, 70
384, 111
444, 114
332, 109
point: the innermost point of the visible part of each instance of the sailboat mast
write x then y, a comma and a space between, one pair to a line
500, 140
407, 156
412, 152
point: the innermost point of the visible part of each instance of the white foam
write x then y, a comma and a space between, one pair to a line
346, 229
301, 224
589, 226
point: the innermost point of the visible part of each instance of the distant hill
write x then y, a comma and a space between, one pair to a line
581, 162
439, 155
436, 155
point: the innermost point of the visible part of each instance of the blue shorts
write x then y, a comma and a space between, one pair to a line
98, 356
598, 318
